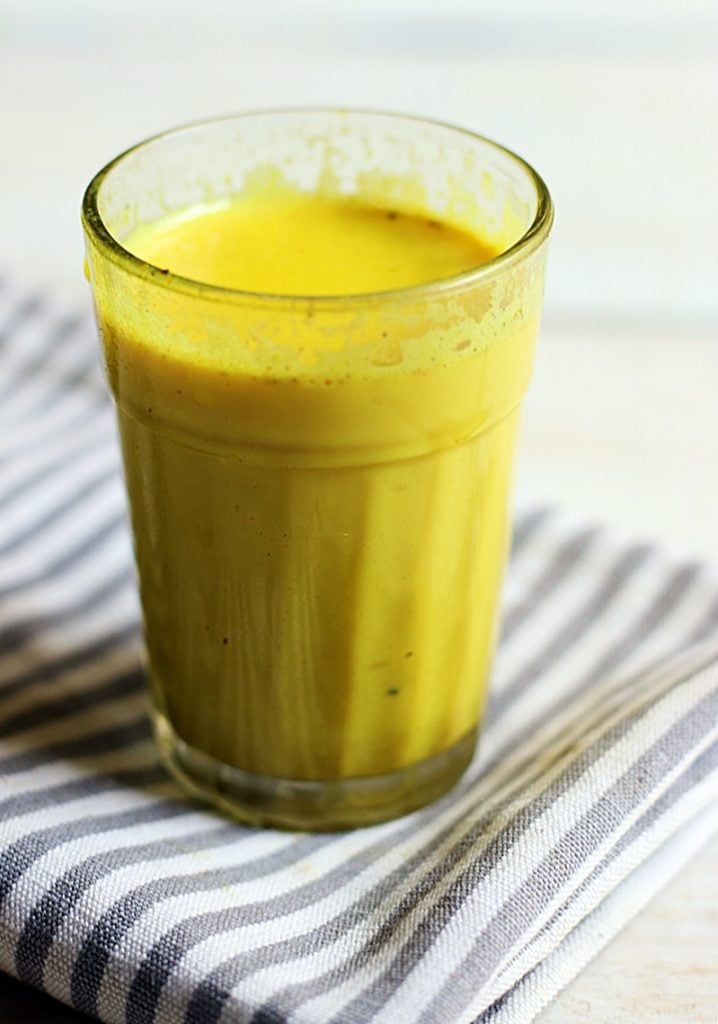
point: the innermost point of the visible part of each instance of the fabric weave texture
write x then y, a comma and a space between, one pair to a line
596, 777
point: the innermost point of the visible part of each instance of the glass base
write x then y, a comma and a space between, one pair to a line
315, 805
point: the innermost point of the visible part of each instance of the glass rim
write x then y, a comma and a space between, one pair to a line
530, 240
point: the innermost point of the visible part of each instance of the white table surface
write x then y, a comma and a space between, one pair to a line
617, 105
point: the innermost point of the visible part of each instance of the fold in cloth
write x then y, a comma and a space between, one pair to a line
594, 781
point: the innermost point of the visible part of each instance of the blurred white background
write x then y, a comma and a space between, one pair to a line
615, 103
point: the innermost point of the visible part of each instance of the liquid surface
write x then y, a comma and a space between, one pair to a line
304, 245
319, 555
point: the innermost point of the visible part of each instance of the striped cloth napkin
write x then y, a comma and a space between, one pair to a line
595, 781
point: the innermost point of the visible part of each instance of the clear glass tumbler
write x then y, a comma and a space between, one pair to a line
319, 486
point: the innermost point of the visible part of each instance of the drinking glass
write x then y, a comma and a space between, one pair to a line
319, 486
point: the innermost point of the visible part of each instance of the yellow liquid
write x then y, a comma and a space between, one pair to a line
320, 531
299, 245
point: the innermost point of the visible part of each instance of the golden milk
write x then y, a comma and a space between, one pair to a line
318, 491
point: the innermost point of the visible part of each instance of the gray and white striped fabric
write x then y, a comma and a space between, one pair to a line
597, 775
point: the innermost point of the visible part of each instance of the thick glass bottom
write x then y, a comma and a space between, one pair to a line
317, 805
